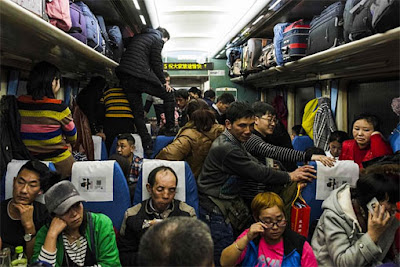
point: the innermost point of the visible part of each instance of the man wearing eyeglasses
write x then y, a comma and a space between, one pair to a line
21, 216
264, 125
227, 168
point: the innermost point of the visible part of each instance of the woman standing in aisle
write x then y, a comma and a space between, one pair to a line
46, 122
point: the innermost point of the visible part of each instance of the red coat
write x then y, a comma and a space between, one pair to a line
378, 147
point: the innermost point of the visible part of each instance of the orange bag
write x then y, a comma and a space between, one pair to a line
300, 215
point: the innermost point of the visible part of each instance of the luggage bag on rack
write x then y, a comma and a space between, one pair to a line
94, 37
385, 15
278, 40
267, 58
107, 44
117, 45
295, 40
78, 29
234, 61
59, 14
357, 19
254, 50
326, 30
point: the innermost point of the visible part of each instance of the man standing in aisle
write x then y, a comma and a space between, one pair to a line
228, 166
141, 71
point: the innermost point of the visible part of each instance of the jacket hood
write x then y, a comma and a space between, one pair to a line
150, 30
215, 131
339, 201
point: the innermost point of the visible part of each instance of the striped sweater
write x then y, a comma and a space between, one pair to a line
260, 149
44, 124
116, 103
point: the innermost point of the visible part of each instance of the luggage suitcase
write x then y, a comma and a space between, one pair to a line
244, 58
278, 39
234, 61
267, 58
232, 54
385, 15
357, 19
107, 44
326, 30
94, 37
236, 69
254, 50
59, 15
295, 40
117, 45
78, 29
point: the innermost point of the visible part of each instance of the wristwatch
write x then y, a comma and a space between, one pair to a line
28, 237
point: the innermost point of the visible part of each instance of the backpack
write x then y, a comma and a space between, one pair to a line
310, 111
234, 62
278, 40
59, 14
357, 20
385, 15
107, 45
94, 37
295, 40
78, 29
11, 144
117, 45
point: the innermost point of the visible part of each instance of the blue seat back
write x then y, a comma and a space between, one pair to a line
100, 149
12, 170
303, 142
108, 194
161, 142
309, 193
138, 144
186, 189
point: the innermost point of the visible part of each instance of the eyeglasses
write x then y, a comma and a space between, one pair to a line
280, 223
270, 120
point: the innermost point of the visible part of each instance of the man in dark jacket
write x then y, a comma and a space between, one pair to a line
22, 216
226, 167
141, 71
161, 186
221, 106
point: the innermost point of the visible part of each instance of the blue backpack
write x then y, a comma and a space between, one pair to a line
117, 45
278, 40
94, 38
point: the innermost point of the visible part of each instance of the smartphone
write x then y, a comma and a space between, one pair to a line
372, 204
269, 162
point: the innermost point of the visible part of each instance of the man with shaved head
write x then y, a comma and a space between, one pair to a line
162, 183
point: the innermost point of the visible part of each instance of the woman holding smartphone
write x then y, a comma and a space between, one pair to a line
348, 234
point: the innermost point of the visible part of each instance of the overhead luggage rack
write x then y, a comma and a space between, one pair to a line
26, 38
376, 55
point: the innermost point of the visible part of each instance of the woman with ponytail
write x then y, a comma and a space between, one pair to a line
194, 139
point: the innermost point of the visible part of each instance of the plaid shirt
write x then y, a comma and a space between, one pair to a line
136, 168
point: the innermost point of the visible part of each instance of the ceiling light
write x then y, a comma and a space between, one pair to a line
274, 5
234, 40
136, 4
223, 51
257, 20
246, 30
143, 19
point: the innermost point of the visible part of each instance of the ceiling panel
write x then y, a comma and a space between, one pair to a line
197, 25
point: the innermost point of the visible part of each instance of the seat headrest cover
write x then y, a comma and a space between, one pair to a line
94, 179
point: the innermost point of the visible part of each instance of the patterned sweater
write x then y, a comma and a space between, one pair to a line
44, 124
